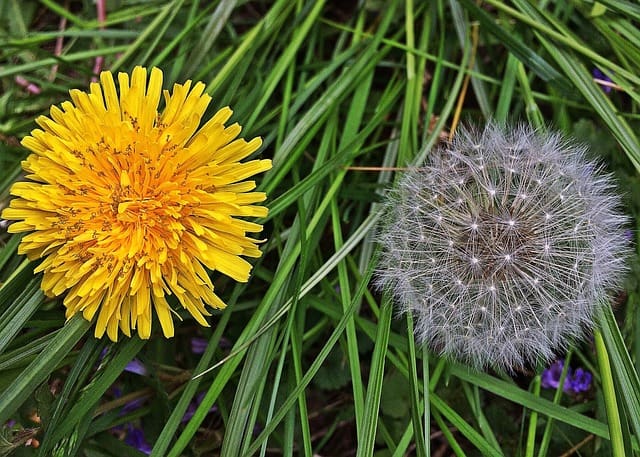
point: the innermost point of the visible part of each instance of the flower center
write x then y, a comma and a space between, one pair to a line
144, 209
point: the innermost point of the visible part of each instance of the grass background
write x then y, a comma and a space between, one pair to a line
308, 359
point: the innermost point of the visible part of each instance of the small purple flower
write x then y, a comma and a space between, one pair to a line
580, 381
602, 80
575, 382
551, 376
198, 345
135, 438
137, 367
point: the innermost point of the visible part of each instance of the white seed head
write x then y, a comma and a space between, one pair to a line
513, 259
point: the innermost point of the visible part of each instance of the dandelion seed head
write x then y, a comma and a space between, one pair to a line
526, 249
127, 205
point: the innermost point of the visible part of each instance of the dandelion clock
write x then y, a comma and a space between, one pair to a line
126, 205
504, 246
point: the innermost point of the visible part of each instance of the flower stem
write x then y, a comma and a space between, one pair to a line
613, 417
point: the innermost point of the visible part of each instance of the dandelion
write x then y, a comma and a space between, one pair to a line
504, 246
127, 205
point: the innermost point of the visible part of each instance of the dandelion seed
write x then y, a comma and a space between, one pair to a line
551, 253
126, 205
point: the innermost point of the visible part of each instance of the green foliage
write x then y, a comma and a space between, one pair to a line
307, 358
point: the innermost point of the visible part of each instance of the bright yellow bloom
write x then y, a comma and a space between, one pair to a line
127, 205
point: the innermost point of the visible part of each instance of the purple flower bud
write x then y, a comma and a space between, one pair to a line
135, 438
574, 383
602, 78
580, 381
198, 345
137, 367
551, 376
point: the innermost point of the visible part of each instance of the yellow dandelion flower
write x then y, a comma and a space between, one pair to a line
127, 205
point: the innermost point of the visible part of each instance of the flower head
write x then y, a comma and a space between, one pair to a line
504, 246
127, 205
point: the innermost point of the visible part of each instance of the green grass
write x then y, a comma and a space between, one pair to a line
308, 358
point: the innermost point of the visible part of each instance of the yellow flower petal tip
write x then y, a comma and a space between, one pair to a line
126, 204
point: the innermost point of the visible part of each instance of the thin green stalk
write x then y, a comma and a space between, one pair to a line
533, 422
609, 393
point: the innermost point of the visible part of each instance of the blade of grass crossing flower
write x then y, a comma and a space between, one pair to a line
367, 435
608, 390
40, 369
463, 427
